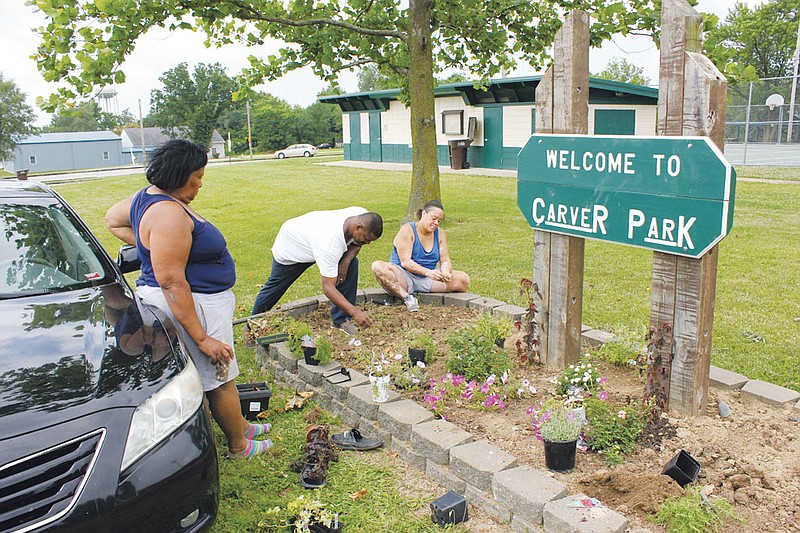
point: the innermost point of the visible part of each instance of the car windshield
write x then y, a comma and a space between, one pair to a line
43, 250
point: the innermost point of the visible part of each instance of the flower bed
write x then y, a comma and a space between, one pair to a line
735, 464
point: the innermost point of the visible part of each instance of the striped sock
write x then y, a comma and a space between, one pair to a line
253, 448
254, 430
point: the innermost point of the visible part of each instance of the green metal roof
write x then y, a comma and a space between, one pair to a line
509, 91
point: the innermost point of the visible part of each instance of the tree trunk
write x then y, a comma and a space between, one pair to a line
425, 165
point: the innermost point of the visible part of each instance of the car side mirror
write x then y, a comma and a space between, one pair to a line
128, 259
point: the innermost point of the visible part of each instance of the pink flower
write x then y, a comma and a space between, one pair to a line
530, 410
622, 414
491, 379
603, 395
491, 400
468, 394
485, 388
603, 380
458, 380
502, 406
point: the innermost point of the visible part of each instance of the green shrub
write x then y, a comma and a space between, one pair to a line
493, 328
420, 340
297, 330
613, 429
618, 354
323, 354
475, 357
693, 514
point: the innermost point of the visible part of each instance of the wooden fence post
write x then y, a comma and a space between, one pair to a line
562, 106
691, 101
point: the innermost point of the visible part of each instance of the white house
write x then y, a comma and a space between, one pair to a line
138, 141
376, 125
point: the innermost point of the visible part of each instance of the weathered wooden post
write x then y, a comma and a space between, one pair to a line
562, 106
691, 101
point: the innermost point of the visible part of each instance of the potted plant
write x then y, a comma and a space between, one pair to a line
380, 373
297, 331
421, 347
559, 427
303, 516
412, 377
493, 328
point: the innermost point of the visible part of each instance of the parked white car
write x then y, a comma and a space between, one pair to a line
297, 150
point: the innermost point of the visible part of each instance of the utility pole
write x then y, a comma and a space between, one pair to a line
795, 68
249, 136
141, 133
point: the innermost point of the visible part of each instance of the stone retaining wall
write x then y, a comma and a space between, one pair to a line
488, 477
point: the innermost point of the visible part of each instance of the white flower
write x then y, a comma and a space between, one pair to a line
532, 389
398, 356
421, 364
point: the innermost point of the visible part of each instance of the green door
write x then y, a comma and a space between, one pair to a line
375, 136
355, 136
492, 137
614, 122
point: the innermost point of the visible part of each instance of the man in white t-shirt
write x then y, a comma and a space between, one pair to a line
332, 240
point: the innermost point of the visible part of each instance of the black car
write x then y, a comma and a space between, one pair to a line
102, 423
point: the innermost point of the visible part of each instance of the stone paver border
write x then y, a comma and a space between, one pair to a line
525, 498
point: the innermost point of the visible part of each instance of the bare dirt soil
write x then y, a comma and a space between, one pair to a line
751, 458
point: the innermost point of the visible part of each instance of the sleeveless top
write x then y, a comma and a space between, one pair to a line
418, 254
209, 267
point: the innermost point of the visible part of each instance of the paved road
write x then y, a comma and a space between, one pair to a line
780, 155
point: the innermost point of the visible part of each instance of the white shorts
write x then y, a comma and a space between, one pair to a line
215, 312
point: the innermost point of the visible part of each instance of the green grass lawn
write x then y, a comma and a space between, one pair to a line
756, 327
758, 282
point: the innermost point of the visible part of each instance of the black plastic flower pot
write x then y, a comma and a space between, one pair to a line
310, 354
560, 456
683, 468
415, 355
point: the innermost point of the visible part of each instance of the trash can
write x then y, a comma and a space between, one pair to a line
22, 174
458, 153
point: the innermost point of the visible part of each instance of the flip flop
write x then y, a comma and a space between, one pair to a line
353, 440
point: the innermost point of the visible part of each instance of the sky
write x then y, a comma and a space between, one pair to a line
160, 50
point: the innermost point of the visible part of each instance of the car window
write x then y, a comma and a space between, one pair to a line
44, 250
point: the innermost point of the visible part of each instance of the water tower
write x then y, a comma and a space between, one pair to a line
108, 100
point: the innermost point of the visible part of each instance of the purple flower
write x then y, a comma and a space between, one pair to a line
530, 410
491, 400
485, 388
468, 394
491, 379
502, 406
603, 395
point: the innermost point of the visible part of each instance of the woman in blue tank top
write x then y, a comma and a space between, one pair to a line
187, 272
418, 247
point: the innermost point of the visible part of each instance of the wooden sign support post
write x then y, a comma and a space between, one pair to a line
562, 106
691, 101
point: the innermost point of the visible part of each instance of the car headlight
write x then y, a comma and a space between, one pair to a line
162, 413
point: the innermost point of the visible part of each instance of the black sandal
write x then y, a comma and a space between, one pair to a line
353, 440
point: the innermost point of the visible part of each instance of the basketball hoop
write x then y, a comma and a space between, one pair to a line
774, 100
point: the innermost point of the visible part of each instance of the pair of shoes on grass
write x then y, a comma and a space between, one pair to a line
313, 464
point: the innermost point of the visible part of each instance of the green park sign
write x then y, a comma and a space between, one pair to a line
670, 194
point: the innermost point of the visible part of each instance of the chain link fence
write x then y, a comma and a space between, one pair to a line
761, 121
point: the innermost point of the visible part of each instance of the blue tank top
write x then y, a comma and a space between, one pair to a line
418, 254
209, 268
